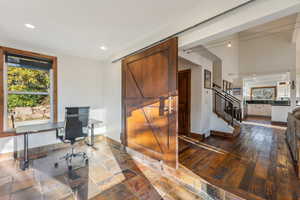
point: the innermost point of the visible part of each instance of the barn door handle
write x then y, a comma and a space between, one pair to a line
171, 108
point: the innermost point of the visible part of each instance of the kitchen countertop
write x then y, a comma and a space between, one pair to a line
271, 102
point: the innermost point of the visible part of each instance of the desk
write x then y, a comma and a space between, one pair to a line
39, 128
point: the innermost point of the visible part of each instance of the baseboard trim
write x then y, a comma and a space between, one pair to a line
264, 116
221, 134
279, 123
235, 133
197, 136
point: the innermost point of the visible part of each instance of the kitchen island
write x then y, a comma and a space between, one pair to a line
276, 110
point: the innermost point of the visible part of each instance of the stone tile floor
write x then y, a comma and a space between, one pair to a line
111, 174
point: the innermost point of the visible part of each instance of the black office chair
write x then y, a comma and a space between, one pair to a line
76, 129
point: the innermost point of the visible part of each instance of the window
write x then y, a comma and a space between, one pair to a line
28, 88
283, 91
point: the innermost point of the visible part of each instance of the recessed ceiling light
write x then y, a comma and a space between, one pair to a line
229, 44
29, 26
104, 48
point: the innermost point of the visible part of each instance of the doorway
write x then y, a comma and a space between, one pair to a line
184, 102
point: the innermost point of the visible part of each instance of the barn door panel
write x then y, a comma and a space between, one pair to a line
149, 92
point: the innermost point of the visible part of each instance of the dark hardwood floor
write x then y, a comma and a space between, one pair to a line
255, 165
258, 119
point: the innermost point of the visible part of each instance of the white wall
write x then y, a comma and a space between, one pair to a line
201, 103
196, 94
268, 54
229, 58
280, 113
297, 43
271, 54
80, 83
298, 63
112, 102
217, 72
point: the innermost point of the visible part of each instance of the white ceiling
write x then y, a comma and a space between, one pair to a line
79, 28
284, 27
285, 24
203, 51
267, 78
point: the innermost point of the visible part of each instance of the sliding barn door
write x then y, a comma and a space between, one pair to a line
149, 94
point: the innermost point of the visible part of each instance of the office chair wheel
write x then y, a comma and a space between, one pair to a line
56, 165
70, 168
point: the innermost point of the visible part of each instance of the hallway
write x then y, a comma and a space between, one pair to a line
255, 165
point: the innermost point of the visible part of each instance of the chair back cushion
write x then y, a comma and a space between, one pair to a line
76, 122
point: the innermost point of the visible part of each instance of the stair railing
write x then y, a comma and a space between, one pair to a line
227, 106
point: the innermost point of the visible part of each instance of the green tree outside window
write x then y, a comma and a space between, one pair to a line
27, 80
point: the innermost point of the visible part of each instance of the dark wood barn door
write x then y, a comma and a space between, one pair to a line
149, 95
184, 101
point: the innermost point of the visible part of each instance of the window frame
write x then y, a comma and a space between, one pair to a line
3, 85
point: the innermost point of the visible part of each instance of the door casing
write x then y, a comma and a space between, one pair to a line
187, 119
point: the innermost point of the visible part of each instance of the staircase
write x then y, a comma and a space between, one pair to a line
228, 108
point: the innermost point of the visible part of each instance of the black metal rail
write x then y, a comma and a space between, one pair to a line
227, 106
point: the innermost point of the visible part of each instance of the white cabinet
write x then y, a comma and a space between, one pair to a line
280, 113
259, 110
